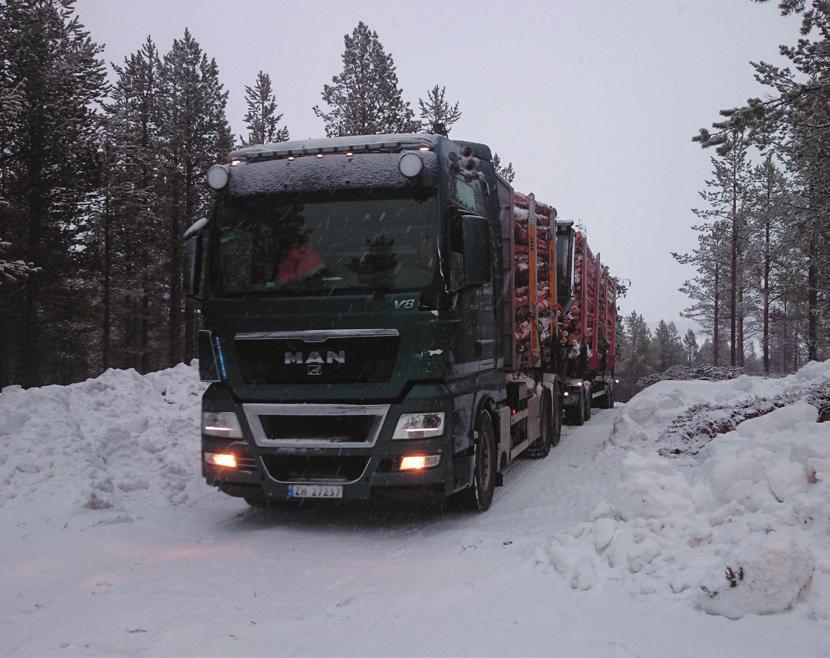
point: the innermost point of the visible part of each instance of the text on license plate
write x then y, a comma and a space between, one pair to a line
315, 491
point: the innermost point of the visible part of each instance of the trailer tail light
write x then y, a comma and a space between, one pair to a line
419, 462
224, 459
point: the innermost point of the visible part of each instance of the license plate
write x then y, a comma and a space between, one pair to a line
315, 491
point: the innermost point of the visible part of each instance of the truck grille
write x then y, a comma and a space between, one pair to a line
317, 357
315, 468
307, 425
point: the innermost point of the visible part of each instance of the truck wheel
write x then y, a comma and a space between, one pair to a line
556, 419
479, 496
576, 415
540, 448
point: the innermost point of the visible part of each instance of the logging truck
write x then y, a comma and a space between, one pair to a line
384, 316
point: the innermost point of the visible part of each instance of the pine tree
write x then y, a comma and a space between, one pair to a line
507, 173
690, 347
364, 99
798, 115
132, 229
193, 135
436, 112
52, 73
262, 119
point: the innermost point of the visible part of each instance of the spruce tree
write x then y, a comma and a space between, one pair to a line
437, 114
690, 347
261, 118
52, 73
365, 99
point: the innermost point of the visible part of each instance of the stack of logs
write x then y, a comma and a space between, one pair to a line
532, 294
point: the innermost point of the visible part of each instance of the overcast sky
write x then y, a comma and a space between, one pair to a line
593, 101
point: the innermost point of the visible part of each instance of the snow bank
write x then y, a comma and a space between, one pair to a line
121, 441
742, 527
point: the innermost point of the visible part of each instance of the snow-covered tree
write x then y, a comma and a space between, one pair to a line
12, 272
51, 74
437, 114
261, 117
132, 237
364, 98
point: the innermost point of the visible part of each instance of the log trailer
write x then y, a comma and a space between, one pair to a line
383, 316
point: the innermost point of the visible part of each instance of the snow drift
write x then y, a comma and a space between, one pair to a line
122, 442
740, 525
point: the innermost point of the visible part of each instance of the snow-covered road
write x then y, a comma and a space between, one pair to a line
184, 570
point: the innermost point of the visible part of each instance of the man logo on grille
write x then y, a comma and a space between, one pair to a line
314, 361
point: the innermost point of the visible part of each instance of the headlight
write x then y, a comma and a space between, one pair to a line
221, 423
420, 426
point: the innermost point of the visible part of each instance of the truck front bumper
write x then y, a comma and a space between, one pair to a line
267, 468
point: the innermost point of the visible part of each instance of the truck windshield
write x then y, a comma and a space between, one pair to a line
369, 240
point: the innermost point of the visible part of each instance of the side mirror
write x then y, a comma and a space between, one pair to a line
476, 251
192, 259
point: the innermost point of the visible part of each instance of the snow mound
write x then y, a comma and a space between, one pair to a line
741, 528
121, 441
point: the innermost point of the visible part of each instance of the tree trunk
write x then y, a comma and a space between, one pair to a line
733, 284
107, 331
716, 326
174, 349
812, 299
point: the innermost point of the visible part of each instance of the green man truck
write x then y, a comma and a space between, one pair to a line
384, 317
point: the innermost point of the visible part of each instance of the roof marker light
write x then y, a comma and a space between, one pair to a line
410, 164
217, 176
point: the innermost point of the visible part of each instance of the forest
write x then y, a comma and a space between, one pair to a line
102, 169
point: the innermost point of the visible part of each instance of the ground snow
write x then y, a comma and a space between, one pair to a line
113, 545
743, 527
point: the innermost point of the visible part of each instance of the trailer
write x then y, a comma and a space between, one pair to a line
385, 317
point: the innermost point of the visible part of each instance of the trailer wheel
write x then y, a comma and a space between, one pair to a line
576, 414
479, 496
589, 398
608, 398
556, 418
541, 447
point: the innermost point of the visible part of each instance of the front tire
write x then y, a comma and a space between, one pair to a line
479, 496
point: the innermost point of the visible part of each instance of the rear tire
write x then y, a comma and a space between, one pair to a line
479, 496
541, 447
589, 398
608, 398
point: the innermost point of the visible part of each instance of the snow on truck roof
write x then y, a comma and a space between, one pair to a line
350, 143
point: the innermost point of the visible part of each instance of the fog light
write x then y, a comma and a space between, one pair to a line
225, 459
419, 462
